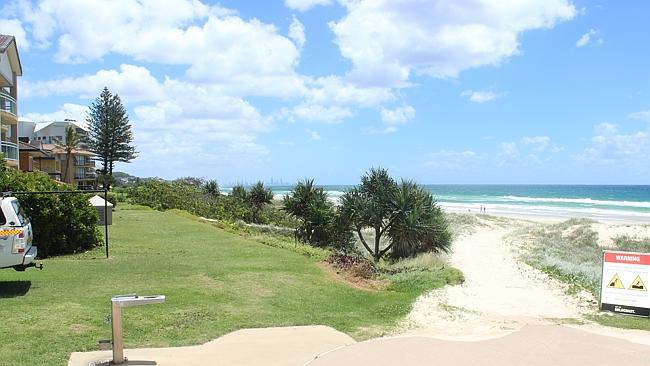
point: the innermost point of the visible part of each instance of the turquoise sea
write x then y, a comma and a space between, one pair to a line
610, 202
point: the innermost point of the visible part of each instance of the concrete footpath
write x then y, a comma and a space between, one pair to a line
323, 346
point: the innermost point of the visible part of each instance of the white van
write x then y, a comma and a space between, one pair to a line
16, 250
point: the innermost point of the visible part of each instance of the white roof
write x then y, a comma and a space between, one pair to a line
97, 201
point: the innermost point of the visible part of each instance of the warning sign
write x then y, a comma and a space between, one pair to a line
638, 284
615, 282
623, 288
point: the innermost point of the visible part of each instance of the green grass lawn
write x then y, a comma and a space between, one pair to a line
215, 282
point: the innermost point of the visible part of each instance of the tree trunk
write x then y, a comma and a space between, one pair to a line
66, 169
377, 254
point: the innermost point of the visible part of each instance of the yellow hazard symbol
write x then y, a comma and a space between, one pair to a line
638, 284
615, 282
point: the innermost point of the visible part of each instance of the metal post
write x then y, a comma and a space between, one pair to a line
106, 218
118, 339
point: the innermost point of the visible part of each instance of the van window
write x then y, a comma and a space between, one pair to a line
2, 218
19, 212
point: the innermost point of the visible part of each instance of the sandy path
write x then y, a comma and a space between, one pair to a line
500, 294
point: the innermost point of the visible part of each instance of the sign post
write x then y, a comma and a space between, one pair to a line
625, 280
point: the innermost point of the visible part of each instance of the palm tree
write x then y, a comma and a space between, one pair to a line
69, 145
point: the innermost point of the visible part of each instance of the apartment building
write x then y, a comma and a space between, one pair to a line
10, 70
43, 142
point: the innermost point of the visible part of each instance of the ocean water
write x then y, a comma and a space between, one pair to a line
606, 202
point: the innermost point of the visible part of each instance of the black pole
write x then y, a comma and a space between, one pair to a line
106, 219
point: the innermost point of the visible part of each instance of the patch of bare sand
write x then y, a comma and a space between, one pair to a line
607, 232
500, 294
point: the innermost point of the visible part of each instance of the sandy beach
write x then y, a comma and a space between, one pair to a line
501, 293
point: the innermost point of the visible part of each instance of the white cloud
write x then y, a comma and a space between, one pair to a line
537, 143
246, 57
297, 32
335, 90
641, 115
15, 28
530, 150
387, 41
586, 38
186, 122
315, 112
313, 134
609, 146
478, 96
304, 5
132, 83
398, 115
67, 111
509, 150
453, 159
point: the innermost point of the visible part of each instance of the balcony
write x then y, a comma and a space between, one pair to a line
8, 104
10, 150
87, 163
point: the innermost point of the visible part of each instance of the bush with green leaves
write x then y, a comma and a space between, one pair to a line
62, 223
320, 223
407, 214
185, 195
258, 196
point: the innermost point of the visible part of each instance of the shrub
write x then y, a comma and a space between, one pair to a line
62, 224
161, 195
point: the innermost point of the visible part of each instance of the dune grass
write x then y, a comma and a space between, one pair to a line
569, 251
215, 282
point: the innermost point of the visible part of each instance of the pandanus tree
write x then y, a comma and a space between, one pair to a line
418, 223
258, 196
211, 188
404, 213
318, 219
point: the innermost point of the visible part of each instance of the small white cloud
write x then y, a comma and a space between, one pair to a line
397, 116
480, 96
304, 5
315, 112
297, 32
587, 38
509, 149
537, 143
313, 134
529, 150
641, 115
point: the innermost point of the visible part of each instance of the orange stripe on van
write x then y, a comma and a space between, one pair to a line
10, 232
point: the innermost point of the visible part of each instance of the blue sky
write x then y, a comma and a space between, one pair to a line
469, 91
